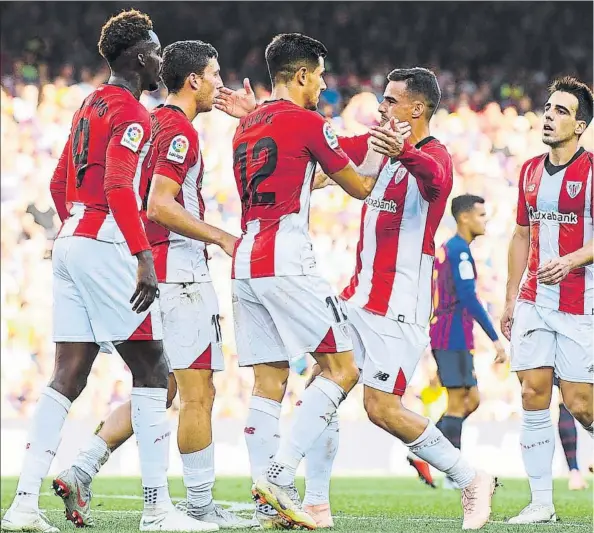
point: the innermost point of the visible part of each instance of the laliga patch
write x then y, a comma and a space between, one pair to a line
178, 149
330, 136
133, 137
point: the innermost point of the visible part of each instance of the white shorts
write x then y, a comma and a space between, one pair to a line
543, 337
283, 318
191, 327
93, 284
386, 351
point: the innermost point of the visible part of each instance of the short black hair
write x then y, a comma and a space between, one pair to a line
182, 58
123, 31
421, 81
583, 93
288, 52
465, 203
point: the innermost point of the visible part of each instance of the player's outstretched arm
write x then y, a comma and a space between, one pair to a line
58, 183
165, 210
121, 162
517, 260
556, 270
236, 104
353, 183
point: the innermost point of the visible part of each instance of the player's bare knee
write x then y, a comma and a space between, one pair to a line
535, 396
380, 406
270, 381
342, 370
472, 402
580, 407
67, 387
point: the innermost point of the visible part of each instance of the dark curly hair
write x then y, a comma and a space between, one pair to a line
123, 31
182, 58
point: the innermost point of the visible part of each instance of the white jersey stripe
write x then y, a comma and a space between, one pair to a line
548, 234
403, 301
588, 235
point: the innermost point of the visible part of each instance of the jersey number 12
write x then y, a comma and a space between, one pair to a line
266, 149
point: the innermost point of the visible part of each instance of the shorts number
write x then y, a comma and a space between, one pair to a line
333, 303
80, 149
216, 324
267, 148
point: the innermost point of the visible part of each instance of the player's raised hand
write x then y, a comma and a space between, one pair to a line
554, 271
238, 103
389, 139
147, 286
507, 319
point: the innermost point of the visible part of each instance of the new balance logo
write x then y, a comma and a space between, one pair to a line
382, 376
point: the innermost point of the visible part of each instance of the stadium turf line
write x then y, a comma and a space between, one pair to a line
372, 505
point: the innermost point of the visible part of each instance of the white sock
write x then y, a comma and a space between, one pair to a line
262, 434
537, 440
440, 453
318, 403
42, 444
93, 457
318, 465
199, 475
151, 427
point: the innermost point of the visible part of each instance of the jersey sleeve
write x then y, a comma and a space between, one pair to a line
355, 147
322, 143
58, 182
432, 168
130, 132
522, 218
463, 274
177, 152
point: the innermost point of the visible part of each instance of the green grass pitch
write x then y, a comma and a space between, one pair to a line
401, 505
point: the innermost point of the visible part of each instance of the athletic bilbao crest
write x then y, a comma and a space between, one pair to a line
399, 176
573, 188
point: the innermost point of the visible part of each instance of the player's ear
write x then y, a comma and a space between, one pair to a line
580, 127
141, 60
193, 80
301, 76
418, 109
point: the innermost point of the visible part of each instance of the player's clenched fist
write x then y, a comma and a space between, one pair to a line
389, 139
146, 283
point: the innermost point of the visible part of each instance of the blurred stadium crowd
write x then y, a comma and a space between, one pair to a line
487, 120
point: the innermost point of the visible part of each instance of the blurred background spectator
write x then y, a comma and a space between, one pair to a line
489, 118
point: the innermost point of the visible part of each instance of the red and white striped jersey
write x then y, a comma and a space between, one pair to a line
275, 151
101, 176
556, 202
178, 259
394, 269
